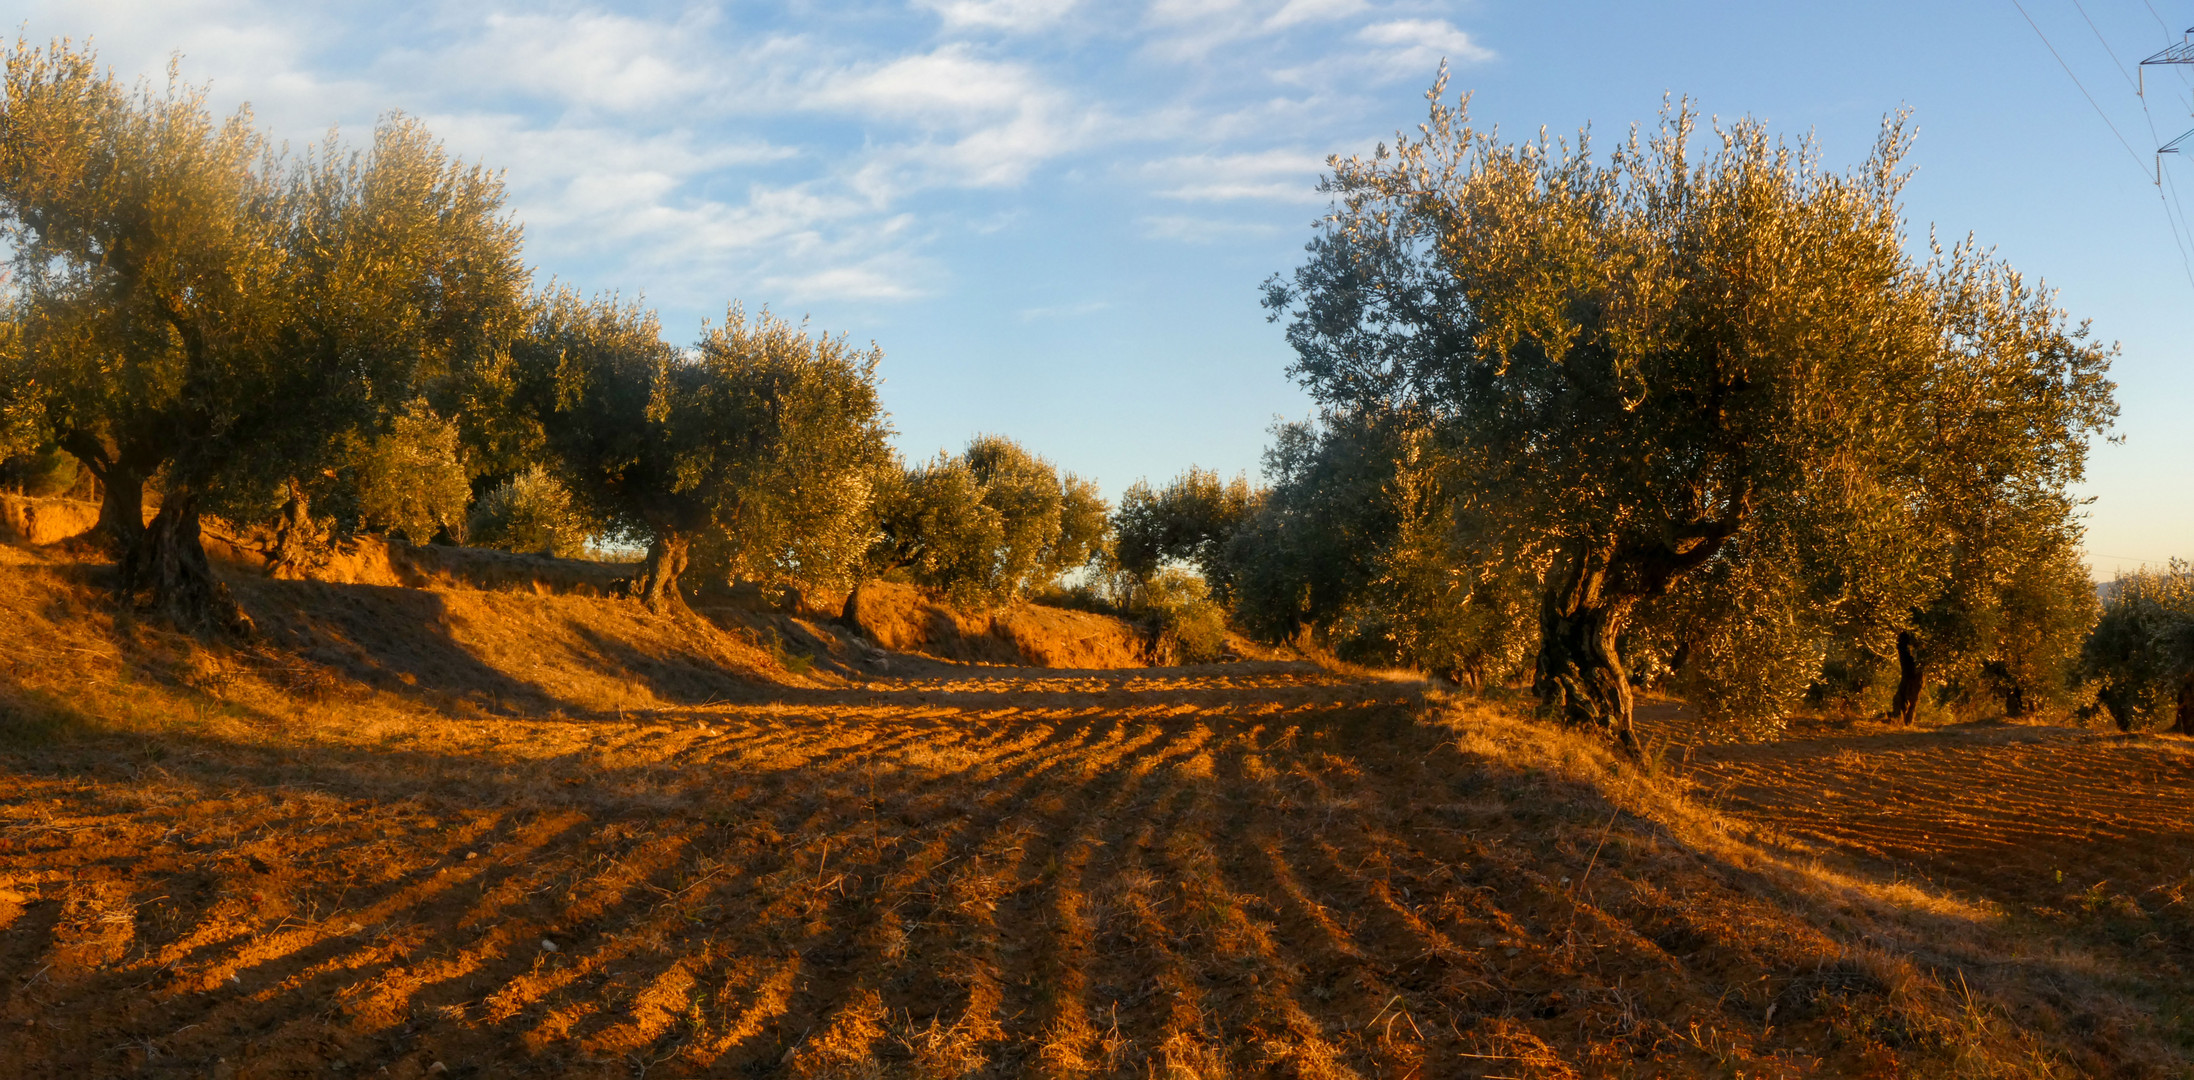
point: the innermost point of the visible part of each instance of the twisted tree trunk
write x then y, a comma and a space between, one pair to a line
2184, 723
300, 544
1904, 707
657, 585
1580, 675
170, 568
121, 471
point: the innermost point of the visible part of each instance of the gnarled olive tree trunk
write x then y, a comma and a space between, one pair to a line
2184, 724
169, 567
657, 585
122, 471
1590, 594
1580, 675
300, 543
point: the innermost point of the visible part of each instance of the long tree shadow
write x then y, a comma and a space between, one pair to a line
1157, 870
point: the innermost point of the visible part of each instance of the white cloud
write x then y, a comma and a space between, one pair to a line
872, 282
1015, 15
1420, 44
713, 151
1303, 11
593, 61
1063, 311
981, 123
1281, 175
951, 85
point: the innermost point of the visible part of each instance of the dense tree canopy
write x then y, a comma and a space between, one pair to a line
759, 444
193, 305
1191, 520
987, 525
1647, 365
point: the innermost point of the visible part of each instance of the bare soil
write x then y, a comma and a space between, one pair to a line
446, 832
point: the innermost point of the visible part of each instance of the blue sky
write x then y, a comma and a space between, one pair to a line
1054, 214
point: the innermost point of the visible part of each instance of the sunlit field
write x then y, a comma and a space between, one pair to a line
336, 854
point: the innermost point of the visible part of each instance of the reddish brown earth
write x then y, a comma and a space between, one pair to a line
416, 833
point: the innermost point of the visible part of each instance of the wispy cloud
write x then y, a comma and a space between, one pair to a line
1279, 174
706, 151
1014, 15
1414, 45
1063, 311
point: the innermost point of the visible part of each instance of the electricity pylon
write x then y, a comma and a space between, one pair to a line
2181, 53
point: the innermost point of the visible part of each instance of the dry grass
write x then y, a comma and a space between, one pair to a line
555, 836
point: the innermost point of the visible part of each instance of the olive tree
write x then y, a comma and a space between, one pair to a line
759, 444
1191, 520
193, 305
1639, 361
989, 524
146, 249
1359, 542
2140, 654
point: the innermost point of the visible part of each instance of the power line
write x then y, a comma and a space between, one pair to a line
2130, 80
2083, 88
2159, 17
2185, 262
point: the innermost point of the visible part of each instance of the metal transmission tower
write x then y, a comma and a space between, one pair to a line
2181, 53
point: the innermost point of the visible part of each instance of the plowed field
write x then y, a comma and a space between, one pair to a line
1242, 870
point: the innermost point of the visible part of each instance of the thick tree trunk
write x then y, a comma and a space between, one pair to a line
121, 510
2184, 722
169, 566
2120, 713
1904, 708
658, 582
1580, 676
2014, 702
300, 545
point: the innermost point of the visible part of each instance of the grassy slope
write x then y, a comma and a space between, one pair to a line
356, 841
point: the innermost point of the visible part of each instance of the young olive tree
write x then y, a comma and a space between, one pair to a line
1638, 362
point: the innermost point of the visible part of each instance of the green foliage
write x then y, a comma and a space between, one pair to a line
2142, 649
785, 435
936, 531
757, 449
1192, 520
41, 472
1754, 638
2046, 609
1189, 626
530, 512
411, 479
147, 248
1358, 541
1637, 364
989, 525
